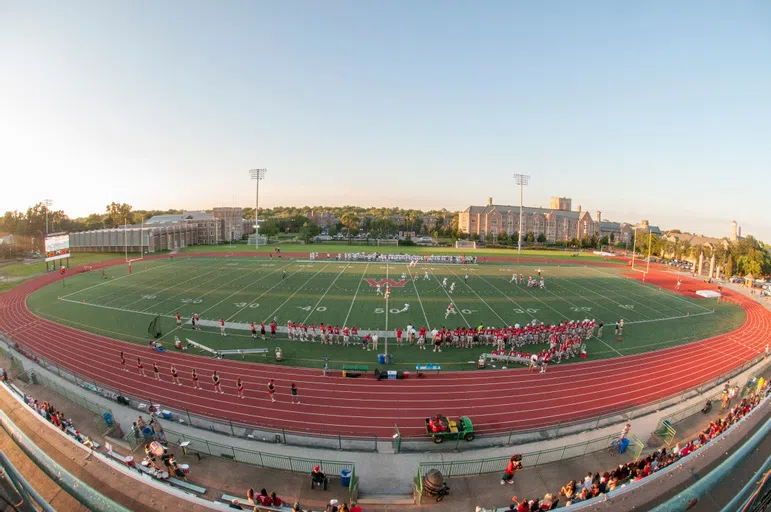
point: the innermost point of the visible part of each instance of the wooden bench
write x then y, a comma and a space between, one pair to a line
355, 368
429, 367
241, 351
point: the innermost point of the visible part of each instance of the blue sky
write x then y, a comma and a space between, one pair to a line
657, 110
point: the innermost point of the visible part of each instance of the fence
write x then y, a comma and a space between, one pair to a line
369, 442
511, 437
252, 457
340, 441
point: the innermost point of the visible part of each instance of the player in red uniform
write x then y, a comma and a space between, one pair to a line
272, 330
174, 375
179, 320
196, 385
222, 327
254, 330
271, 390
217, 385
156, 371
337, 334
355, 334
399, 336
123, 362
141, 367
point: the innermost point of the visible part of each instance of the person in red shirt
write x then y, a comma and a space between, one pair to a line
355, 507
222, 327
264, 499
272, 330
123, 362
271, 390
399, 336
337, 334
355, 334
179, 320
240, 388
141, 367
174, 375
254, 330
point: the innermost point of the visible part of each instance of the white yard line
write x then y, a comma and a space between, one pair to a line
669, 318
262, 294
612, 312
625, 296
117, 279
532, 316
673, 295
361, 280
324, 294
173, 285
84, 303
455, 306
295, 292
613, 349
483, 301
415, 284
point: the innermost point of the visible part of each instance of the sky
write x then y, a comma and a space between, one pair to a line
654, 110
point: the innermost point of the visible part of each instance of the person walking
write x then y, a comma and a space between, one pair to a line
295, 398
271, 390
514, 465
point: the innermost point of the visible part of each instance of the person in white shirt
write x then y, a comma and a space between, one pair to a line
425, 275
444, 283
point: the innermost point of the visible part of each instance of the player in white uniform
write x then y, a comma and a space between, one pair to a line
542, 284
444, 283
513, 278
425, 275
406, 308
404, 275
379, 291
449, 311
452, 287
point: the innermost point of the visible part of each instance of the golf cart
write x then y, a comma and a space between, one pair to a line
440, 428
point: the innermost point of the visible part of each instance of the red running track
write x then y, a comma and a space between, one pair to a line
496, 401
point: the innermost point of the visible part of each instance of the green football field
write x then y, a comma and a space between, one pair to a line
243, 289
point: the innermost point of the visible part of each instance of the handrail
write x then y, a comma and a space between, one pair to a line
26, 492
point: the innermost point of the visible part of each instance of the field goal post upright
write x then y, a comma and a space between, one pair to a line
634, 252
141, 243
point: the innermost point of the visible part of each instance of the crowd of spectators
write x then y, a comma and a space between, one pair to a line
58, 419
596, 484
263, 499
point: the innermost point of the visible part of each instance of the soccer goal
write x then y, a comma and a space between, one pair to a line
465, 244
379, 242
134, 238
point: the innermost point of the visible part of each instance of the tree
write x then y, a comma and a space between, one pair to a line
594, 241
503, 238
309, 230
270, 227
351, 223
729, 266
118, 214
612, 237
530, 237
605, 240
541, 238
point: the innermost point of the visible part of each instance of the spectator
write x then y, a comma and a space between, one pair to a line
332, 507
355, 507
250, 496
275, 500
236, 504
569, 490
264, 499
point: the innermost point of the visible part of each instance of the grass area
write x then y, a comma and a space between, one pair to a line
340, 247
241, 289
16, 273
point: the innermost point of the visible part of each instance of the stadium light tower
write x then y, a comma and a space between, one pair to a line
48, 204
257, 175
521, 180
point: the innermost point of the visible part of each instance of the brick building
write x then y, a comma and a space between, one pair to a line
232, 219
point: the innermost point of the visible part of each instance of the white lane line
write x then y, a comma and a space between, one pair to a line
116, 279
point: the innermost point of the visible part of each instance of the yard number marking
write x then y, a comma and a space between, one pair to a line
523, 311
580, 308
192, 301
148, 296
244, 304
320, 309
626, 306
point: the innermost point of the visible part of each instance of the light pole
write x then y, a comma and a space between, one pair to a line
48, 204
521, 180
257, 175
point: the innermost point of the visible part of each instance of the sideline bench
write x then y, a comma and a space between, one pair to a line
355, 368
201, 347
220, 354
429, 367
506, 358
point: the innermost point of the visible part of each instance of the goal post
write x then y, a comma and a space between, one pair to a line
384, 242
647, 261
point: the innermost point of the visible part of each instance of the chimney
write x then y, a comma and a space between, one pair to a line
739, 232
599, 216
579, 208
489, 201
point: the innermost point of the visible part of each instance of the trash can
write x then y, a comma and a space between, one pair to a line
622, 445
108, 418
166, 415
345, 477
147, 433
33, 377
381, 359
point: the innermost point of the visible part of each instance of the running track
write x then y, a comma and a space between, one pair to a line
496, 401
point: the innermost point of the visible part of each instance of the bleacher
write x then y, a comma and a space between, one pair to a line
503, 358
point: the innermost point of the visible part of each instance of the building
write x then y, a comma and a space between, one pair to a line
232, 219
561, 203
210, 229
325, 220
136, 238
558, 225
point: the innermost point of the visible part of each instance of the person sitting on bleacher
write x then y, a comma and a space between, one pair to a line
318, 477
264, 499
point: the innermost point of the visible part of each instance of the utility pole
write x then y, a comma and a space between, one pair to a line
521, 180
257, 175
